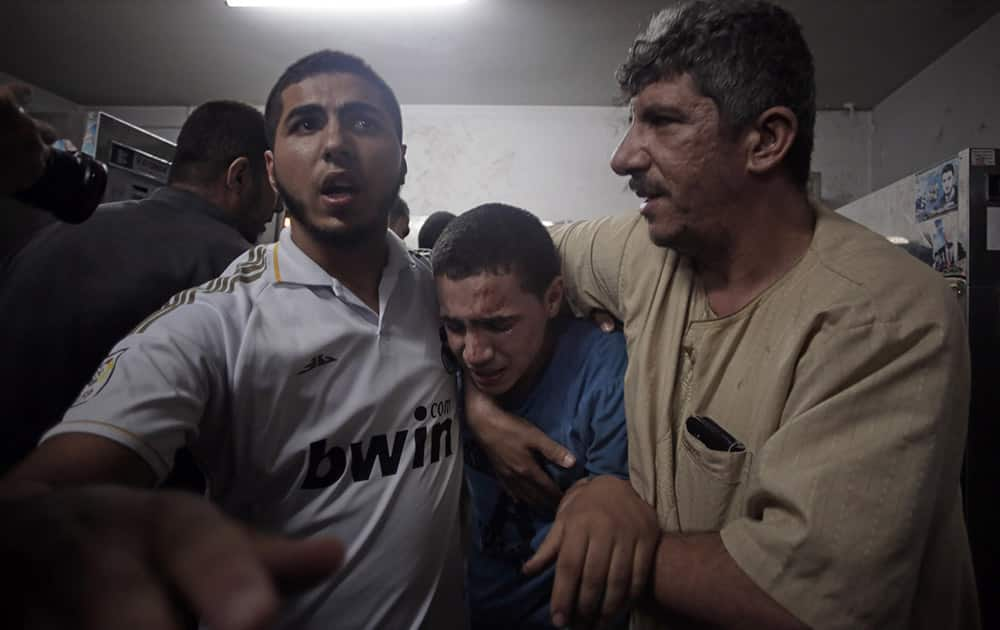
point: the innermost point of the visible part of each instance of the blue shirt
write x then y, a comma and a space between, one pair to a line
578, 402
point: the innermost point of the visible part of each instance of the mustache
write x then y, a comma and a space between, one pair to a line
643, 188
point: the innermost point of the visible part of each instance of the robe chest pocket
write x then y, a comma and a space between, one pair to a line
709, 479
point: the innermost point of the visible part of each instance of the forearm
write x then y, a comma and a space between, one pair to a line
695, 576
479, 408
77, 459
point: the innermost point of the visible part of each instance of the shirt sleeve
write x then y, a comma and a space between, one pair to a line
593, 254
607, 451
152, 391
843, 496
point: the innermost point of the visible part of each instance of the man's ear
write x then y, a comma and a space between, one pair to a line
770, 139
403, 168
269, 163
238, 177
554, 297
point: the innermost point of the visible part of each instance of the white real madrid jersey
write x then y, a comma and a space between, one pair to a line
311, 415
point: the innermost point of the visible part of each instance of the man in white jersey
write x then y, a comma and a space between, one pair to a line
307, 378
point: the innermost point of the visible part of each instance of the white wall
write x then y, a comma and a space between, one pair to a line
553, 161
952, 104
550, 160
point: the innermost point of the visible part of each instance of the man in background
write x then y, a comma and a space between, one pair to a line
432, 228
399, 219
75, 290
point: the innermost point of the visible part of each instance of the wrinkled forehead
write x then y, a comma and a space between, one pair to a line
677, 96
674, 88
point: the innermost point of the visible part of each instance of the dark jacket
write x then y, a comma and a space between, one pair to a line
74, 290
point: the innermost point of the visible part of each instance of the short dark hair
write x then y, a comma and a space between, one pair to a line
497, 238
215, 134
746, 55
432, 228
328, 62
948, 167
399, 209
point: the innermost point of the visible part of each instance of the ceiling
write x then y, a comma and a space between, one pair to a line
496, 52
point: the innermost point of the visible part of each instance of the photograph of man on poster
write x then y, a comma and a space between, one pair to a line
949, 187
936, 191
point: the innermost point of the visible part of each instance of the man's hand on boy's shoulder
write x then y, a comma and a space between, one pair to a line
513, 446
605, 321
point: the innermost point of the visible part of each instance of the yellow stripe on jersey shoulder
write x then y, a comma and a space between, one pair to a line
247, 271
277, 270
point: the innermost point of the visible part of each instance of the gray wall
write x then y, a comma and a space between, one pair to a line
41, 100
952, 104
842, 155
65, 116
163, 121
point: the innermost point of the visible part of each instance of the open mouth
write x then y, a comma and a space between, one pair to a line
339, 188
487, 378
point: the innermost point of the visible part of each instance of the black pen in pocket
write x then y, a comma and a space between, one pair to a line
713, 436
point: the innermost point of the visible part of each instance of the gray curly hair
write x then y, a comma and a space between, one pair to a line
746, 55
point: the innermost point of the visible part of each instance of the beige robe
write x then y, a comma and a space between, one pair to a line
848, 383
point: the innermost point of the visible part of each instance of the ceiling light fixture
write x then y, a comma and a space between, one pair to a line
345, 5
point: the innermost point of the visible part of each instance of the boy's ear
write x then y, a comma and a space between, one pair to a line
554, 297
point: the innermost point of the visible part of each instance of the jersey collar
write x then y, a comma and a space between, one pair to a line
293, 266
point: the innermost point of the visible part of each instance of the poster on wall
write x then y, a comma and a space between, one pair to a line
936, 213
937, 191
942, 236
89, 145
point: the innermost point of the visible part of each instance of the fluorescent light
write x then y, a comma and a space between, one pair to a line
345, 5
898, 240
